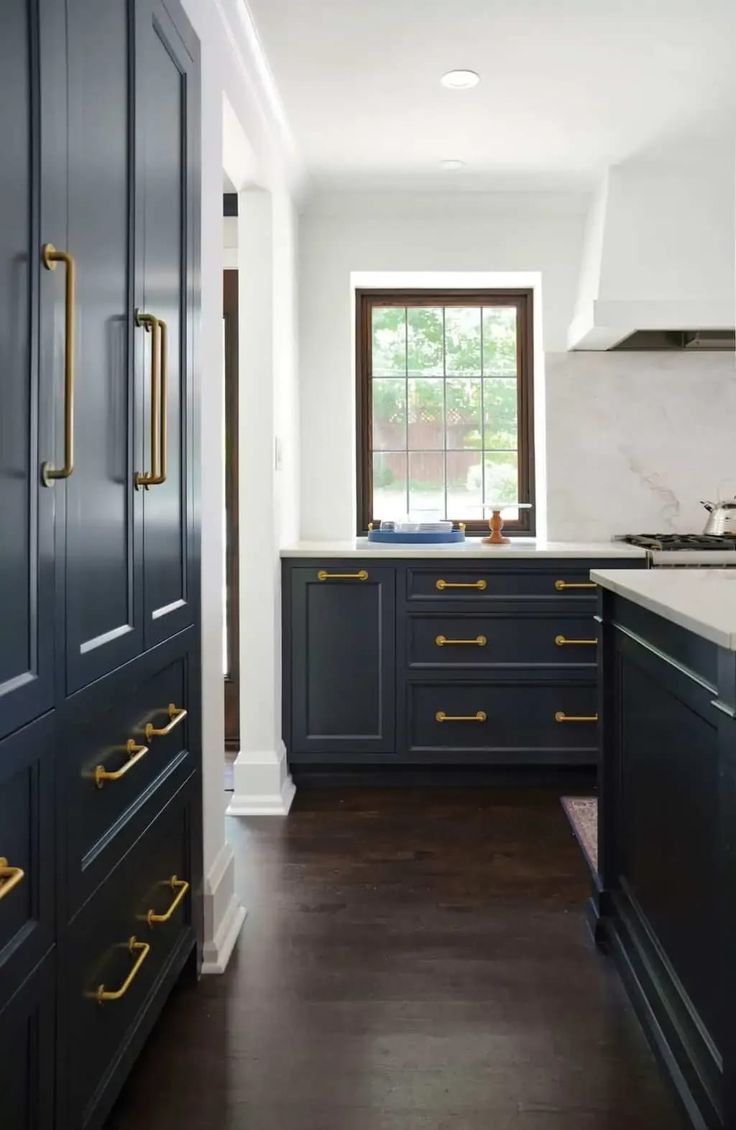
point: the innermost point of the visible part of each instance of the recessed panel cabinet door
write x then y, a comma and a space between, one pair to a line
26, 508
103, 510
166, 89
27, 1060
343, 658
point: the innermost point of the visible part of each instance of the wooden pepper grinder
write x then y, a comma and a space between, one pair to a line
495, 525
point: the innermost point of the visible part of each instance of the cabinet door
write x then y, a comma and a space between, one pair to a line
102, 545
26, 508
166, 70
27, 1060
342, 661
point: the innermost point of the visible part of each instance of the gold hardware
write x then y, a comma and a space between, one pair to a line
135, 754
10, 877
50, 257
323, 575
442, 585
181, 887
152, 325
562, 585
479, 716
461, 526
176, 715
560, 716
442, 641
134, 946
563, 641
370, 527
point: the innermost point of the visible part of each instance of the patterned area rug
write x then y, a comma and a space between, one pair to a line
582, 812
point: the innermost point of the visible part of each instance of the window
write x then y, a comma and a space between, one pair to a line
445, 421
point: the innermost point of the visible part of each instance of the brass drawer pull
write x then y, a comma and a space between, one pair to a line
50, 257
562, 585
442, 584
176, 715
180, 886
10, 877
560, 716
442, 641
135, 754
134, 946
479, 716
563, 641
323, 575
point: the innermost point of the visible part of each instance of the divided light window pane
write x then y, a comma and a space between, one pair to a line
444, 404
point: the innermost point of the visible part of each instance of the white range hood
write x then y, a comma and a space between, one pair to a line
659, 252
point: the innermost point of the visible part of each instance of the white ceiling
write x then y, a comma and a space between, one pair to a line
568, 87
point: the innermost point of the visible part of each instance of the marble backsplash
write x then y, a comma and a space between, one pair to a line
635, 440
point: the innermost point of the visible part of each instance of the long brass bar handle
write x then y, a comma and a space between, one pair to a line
176, 715
50, 257
361, 575
134, 946
152, 325
562, 585
560, 716
135, 754
563, 641
442, 641
161, 464
479, 716
10, 877
180, 886
442, 584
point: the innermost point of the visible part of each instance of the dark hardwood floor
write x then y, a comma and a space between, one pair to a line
412, 960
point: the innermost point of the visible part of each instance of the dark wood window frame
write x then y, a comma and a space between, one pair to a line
523, 300
232, 678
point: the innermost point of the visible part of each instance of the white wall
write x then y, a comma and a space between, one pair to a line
243, 129
356, 232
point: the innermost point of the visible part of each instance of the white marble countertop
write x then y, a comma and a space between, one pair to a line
471, 548
701, 600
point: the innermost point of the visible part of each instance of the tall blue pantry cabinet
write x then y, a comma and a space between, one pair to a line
100, 791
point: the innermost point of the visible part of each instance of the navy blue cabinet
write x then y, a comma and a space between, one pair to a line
667, 813
341, 667
100, 727
441, 662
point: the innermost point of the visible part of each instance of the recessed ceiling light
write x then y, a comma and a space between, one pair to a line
460, 80
452, 163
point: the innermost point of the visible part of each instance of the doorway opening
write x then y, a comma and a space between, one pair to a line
231, 611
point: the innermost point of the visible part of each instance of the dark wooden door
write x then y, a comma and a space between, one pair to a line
166, 66
26, 508
232, 556
342, 661
102, 544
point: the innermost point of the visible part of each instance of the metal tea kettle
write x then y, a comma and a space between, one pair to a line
721, 517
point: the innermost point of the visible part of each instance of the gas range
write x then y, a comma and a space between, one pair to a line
685, 550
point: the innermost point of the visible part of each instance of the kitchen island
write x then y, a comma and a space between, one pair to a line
667, 818
400, 659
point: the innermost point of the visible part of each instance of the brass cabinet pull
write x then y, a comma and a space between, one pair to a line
442, 641
560, 716
10, 877
134, 946
176, 715
442, 584
562, 585
180, 886
50, 257
361, 575
135, 754
152, 325
479, 716
563, 641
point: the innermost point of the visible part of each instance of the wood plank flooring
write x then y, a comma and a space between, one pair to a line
413, 959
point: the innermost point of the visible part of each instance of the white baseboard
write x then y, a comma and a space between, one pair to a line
223, 914
263, 804
262, 785
217, 951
